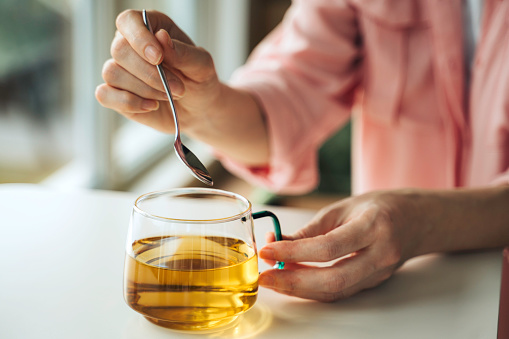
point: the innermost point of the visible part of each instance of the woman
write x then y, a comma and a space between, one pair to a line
430, 153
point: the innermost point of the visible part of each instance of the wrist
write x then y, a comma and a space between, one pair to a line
417, 212
428, 213
233, 124
457, 220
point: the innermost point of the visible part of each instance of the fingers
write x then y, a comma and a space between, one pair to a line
348, 238
181, 58
139, 68
271, 237
195, 63
116, 76
325, 296
123, 101
362, 238
143, 111
133, 85
324, 221
345, 278
318, 283
130, 24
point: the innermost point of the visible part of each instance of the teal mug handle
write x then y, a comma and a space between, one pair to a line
277, 231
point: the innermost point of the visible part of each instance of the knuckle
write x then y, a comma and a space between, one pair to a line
293, 283
336, 283
290, 283
124, 17
207, 62
126, 103
100, 94
328, 249
118, 47
182, 52
206, 57
153, 78
110, 71
289, 252
392, 256
384, 217
302, 233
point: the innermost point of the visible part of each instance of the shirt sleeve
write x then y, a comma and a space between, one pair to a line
304, 76
502, 179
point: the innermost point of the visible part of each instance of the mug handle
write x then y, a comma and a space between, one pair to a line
277, 230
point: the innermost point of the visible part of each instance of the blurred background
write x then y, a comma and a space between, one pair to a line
52, 130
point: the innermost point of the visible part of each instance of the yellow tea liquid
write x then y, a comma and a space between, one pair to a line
191, 282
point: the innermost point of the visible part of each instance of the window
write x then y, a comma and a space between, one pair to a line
56, 50
35, 80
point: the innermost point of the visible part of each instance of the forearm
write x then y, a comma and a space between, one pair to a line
462, 219
236, 127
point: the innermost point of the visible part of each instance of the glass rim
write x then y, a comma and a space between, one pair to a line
188, 191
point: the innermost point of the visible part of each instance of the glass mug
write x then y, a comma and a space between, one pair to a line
191, 261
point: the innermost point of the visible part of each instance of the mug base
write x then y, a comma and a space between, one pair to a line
193, 326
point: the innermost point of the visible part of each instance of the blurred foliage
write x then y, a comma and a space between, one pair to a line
28, 31
22, 21
335, 163
34, 77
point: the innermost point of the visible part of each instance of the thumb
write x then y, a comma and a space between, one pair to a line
323, 222
193, 62
271, 237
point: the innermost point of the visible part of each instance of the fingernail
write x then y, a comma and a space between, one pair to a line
152, 54
149, 105
267, 253
266, 280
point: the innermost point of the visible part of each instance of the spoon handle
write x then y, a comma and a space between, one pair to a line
170, 98
164, 81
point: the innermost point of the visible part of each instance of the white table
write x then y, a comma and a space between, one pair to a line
61, 270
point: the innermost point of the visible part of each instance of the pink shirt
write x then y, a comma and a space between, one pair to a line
397, 68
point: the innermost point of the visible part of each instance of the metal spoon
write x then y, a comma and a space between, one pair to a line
183, 153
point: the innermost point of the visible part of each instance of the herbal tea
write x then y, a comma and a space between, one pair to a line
191, 282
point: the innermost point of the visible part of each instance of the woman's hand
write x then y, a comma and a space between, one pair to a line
132, 85
366, 238
228, 119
